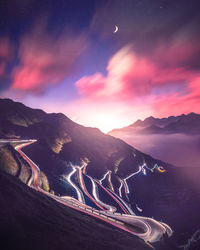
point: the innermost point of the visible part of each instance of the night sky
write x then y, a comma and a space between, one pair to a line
62, 56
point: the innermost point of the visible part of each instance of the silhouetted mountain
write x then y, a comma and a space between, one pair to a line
61, 141
154, 121
188, 124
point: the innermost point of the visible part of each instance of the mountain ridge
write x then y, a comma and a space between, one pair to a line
171, 124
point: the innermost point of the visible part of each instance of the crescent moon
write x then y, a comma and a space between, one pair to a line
116, 29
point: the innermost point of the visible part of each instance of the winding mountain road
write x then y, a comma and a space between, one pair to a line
146, 228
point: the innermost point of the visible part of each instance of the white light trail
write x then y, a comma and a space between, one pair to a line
78, 191
120, 188
138, 208
124, 203
152, 230
104, 176
96, 196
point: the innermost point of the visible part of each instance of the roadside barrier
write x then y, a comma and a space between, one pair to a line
96, 212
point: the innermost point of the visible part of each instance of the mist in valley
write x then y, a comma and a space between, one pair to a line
177, 149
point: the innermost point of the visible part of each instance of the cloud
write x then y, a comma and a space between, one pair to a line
130, 76
166, 82
6, 56
45, 58
125, 71
5, 49
163, 51
175, 104
154, 71
146, 23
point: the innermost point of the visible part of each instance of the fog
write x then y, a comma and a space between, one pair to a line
177, 149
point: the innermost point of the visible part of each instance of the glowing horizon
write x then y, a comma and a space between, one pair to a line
100, 79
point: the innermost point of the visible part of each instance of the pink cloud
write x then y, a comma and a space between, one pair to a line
133, 79
125, 72
180, 50
175, 104
46, 59
130, 75
91, 85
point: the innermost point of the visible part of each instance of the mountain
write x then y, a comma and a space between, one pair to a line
154, 121
187, 124
61, 141
30, 220
175, 139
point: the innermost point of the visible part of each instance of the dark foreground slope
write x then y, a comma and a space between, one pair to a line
30, 220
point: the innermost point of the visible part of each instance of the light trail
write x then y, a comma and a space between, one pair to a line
78, 191
141, 168
124, 180
96, 196
123, 202
82, 184
108, 173
110, 182
35, 170
159, 168
138, 208
122, 207
120, 188
104, 176
152, 229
